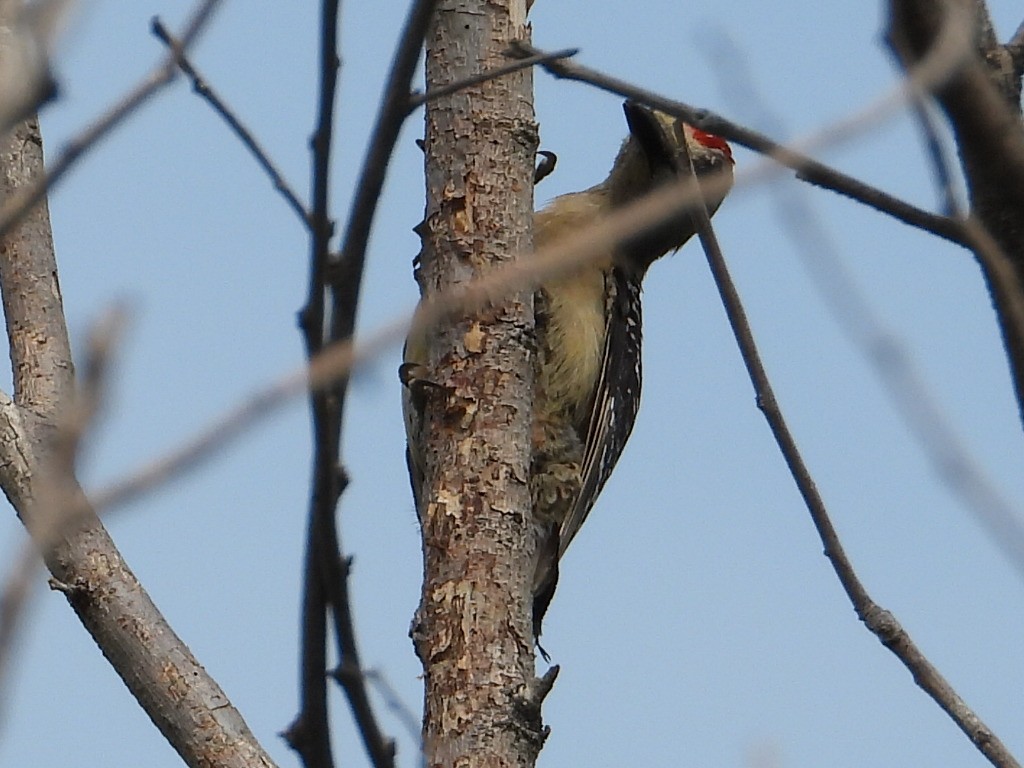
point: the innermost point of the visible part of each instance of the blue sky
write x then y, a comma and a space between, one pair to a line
696, 621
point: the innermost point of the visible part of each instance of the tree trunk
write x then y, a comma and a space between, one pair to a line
473, 629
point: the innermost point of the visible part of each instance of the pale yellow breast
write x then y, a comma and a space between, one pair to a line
574, 336
574, 342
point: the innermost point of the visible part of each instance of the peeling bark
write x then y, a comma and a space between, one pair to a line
472, 629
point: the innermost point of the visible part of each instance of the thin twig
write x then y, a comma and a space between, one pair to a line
344, 281
911, 394
392, 114
982, 105
202, 87
878, 620
16, 206
309, 733
807, 169
343, 276
349, 673
419, 99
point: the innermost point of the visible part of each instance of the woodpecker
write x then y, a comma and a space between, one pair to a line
588, 326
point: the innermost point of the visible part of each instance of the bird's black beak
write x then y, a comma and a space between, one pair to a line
649, 133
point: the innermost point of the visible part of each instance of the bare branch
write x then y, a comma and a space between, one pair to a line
983, 106
344, 279
206, 92
326, 575
418, 99
878, 620
309, 733
18, 205
47, 522
952, 461
349, 672
157, 667
39, 345
807, 169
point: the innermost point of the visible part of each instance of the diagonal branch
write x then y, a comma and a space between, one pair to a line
982, 103
202, 87
394, 109
878, 620
155, 665
18, 204
46, 523
910, 393
807, 169
419, 99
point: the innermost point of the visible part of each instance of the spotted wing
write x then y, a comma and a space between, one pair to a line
615, 401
